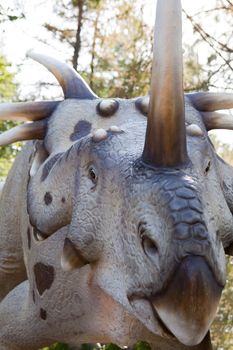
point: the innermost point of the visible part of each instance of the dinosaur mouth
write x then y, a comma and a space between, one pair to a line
186, 308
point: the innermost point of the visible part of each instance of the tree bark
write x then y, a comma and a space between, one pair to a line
93, 51
77, 44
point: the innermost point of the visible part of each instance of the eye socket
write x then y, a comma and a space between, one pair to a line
93, 174
207, 169
148, 245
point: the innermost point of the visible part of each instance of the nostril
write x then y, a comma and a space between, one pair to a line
149, 247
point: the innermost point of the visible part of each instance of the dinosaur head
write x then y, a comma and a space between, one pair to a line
154, 236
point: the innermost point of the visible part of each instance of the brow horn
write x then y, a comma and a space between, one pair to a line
27, 131
72, 83
165, 143
27, 110
211, 101
215, 120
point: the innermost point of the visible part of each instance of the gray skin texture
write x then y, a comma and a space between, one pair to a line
91, 239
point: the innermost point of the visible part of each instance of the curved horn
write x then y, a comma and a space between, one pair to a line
214, 120
165, 143
27, 131
211, 101
72, 83
27, 110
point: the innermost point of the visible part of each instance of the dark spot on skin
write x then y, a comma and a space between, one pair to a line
44, 276
81, 129
33, 296
48, 198
43, 314
29, 238
63, 199
49, 165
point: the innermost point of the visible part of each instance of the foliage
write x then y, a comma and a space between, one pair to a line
224, 150
123, 62
57, 346
7, 93
222, 328
117, 45
195, 78
115, 40
9, 14
7, 86
141, 345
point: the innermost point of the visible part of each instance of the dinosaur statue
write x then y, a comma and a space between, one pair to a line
117, 214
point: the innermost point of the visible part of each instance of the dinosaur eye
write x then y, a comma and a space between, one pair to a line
93, 174
207, 169
149, 246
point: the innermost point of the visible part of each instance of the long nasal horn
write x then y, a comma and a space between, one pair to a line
165, 143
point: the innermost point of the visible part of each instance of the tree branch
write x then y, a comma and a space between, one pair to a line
208, 38
211, 10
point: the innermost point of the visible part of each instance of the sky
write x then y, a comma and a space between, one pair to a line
20, 36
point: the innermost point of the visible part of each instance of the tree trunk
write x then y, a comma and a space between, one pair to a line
77, 44
93, 53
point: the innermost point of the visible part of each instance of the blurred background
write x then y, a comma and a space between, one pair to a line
109, 42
